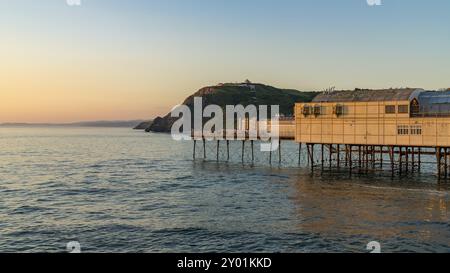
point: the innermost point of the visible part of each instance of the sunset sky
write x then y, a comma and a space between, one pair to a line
135, 59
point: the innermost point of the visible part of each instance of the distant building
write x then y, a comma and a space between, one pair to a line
248, 84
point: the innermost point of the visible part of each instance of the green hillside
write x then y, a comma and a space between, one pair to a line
245, 94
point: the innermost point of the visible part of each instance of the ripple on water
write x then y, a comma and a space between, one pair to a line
123, 191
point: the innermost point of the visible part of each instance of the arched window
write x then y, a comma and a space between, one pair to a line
306, 110
415, 107
338, 110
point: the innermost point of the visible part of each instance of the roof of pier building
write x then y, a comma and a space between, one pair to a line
435, 97
367, 95
434, 101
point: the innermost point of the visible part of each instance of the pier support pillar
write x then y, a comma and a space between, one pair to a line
253, 153
400, 160
359, 157
381, 156
217, 150
438, 159
338, 153
392, 158
270, 152
243, 150
204, 148
322, 156
419, 163
445, 163
371, 154
407, 151
366, 158
347, 151
228, 150
350, 158
300, 153
310, 148
279, 151
193, 153
330, 156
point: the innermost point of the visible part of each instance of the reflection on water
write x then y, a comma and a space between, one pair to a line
126, 191
385, 213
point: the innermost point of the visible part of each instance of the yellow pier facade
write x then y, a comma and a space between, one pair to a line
392, 117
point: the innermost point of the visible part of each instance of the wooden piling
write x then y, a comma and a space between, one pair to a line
338, 156
381, 156
359, 157
228, 150
368, 151
322, 155
347, 155
308, 156
438, 160
193, 153
392, 158
407, 158
204, 148
350, 159
330, 156
279, 151
419, 163
253, 155
445, 163
310, 148
243, 150
300, 153
217, 150
372, 153
270, 152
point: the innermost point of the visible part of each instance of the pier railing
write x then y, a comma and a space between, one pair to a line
286, 131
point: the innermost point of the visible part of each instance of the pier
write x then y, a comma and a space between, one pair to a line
362, 131
354, 159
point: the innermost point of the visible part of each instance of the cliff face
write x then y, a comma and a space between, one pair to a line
234, 94
143, 125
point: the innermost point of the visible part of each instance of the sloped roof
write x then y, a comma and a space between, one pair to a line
366, 95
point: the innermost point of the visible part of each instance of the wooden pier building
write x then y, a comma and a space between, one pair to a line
366, 124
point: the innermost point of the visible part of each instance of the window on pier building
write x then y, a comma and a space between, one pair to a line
403, 109
416, 130
338, 110
390, 109
402, 129
306, 110
317, 110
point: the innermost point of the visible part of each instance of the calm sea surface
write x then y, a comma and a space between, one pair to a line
118, 190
